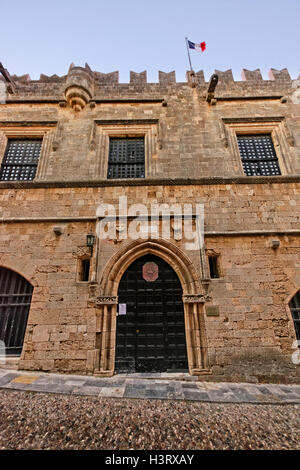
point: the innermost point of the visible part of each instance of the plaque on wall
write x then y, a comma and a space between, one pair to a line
122, 309
150, 271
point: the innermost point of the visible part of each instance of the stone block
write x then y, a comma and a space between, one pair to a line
40, 333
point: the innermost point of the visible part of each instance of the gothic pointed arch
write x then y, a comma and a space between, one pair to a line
168, 251
193, 299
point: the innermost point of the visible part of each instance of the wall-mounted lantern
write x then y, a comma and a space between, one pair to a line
90, 241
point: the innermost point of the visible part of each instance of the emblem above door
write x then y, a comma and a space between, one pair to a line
150, 271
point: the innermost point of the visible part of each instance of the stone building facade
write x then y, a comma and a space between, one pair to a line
231, 146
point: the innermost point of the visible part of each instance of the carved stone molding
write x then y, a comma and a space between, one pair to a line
19, 130
81, 252
196, 298
275, 126
57, 136
106, 300
104, 130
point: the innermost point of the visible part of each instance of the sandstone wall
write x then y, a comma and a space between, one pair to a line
191, 158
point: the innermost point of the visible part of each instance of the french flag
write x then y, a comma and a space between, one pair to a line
198, 47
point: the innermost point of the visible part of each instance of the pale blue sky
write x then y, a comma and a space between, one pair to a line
45, 36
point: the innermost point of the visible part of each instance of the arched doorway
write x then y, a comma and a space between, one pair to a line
15, 299
294, 305
150, 337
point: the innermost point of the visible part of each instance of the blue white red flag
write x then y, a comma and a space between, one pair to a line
198, 47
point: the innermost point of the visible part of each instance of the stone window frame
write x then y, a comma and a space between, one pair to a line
146, 129
79, 268
276, 127
32, 130
210, 252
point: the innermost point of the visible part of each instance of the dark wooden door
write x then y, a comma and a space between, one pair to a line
151, 336
15, 298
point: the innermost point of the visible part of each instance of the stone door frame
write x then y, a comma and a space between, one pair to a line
193, 300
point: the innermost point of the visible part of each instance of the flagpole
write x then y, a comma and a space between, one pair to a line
187, 46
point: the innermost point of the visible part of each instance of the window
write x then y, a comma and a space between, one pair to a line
15, 299
258, 155
84, 270
20, 160
295, 310
260, 146
126, 158
213, 263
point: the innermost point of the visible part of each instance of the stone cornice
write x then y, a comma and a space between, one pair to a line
209, 181
28, 123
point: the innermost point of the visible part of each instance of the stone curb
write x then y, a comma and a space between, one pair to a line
144, 387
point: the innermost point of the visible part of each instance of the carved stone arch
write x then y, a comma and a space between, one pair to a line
293, 293
193, 300
169, 252
20, 269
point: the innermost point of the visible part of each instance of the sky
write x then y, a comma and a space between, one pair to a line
46, 36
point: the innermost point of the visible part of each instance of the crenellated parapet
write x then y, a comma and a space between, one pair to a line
82, 86
84, 76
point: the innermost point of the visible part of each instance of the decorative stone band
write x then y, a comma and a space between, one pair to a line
195, 298
113, 300
106, 300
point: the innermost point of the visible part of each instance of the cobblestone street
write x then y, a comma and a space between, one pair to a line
53, 421
56, 411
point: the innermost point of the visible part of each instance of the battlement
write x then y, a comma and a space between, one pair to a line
82, 85
140, 78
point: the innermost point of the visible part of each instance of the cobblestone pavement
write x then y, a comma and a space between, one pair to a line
147, 386
35, 421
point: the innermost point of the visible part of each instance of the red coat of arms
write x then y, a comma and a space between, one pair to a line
150, 271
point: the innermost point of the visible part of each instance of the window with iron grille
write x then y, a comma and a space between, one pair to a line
126, 158
20, 160
258, 155
295, 310
15, 300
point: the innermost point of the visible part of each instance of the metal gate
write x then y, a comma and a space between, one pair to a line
151, 335
15, 298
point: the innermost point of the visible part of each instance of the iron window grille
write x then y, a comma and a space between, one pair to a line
15, 299
295, 310
258, 155
126, 158
20, 160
